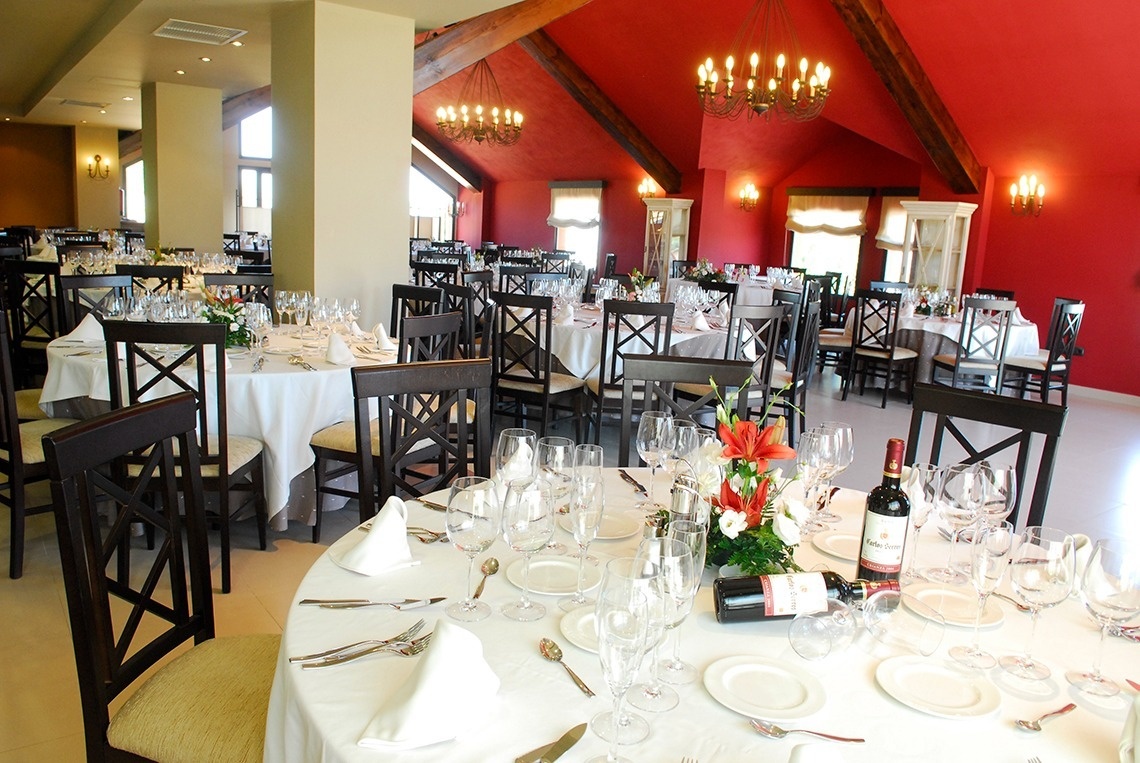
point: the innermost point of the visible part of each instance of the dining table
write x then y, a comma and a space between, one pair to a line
931, 335
749, 669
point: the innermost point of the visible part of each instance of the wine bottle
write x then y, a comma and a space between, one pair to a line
777, 597
885, 521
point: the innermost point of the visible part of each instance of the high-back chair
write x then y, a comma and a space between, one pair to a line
33, 311
153, 277
791, 383
513, 278
250, 287
207, 703
435, 273
429, 337
978, 362
723, 293
556, 262
874, 345
1049, 369
411, 300
81, 295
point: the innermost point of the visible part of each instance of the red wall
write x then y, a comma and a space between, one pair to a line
37, 175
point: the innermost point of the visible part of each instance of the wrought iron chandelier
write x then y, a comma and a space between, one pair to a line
769, 80
481, 115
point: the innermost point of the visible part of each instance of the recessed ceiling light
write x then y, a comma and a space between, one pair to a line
128, 98
179, 71
237, 43
205, 59
7, 119
102, 111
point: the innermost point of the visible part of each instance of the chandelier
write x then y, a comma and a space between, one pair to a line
770, 82
481, 115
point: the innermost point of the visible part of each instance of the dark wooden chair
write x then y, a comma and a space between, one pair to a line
435, 273
426, 338
69, 251
791, 383
252, 270
208, 703
724, 294
512, 278
33, 312
461, 299
556, 262
537, 282
482, 284
874, 348
81, 295
410, 300
985, 291
1021, 419
231, 243
1049, 369
895, 287
978, 362
250, 287
168, 276
609, 270
681, 268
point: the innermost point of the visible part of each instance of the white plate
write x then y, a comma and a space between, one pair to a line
958, 606
280, 351
238, 352
842, 544
762, 688
580, 628
622, 524
554, 575
937, 688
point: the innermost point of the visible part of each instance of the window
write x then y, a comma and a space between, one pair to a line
892, 229
431, 208
256, 135
576, 214
256, 187
827, 231
134, 196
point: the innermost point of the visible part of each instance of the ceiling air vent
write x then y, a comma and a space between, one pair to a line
85, 104
192, 31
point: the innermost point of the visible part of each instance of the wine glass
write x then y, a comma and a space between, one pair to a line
555, 464
681, 579
1110, 589
647, 578
257, 320
472, 525
528, 522
989, 559
587, 503
922, 488
810, 452
280, 302
1041, 574
841, 455
351, 312
301, 306
960, 496
515, 455
622, 624
290, 305
653, 432
1000, 482
683, 440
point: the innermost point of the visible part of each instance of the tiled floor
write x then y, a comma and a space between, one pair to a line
1096, 490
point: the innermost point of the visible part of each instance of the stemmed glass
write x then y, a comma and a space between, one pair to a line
281, 302
1110, 589
1000, 484
622, 623
810, 453
960, 496
351, 313
515, 455
587, 503
922, 488
653, 433
472, 525
555, 464
683, 440
528, 522
302, 302
649, 579
841, 455
1041, 574
989, 559
258, 320
681, 578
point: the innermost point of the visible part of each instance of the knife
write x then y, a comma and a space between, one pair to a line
355, 603
551, 752
636, 485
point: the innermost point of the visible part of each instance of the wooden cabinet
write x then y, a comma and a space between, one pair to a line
934, 250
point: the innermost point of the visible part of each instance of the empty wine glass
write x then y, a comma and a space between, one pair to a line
681, 578
351, 312
257, 320
587, 503
810, 453
290, 304
1110, 589
683, 441
280, 300
515, 455
960, 496
473, 523
301, 306
922, 488
653, 433
622, 623
841, 454
1041, 574
645, 577
555, 464
528, 521
1000, 482
989, 560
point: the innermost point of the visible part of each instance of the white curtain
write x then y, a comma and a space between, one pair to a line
892, 223
836, 215
575, 208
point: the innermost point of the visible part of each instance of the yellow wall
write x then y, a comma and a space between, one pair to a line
97, 203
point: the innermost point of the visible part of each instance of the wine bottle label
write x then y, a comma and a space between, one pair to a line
797, 594
883, 539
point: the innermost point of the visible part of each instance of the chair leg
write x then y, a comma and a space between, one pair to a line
16, 550
317, 499
224, 522
260, 507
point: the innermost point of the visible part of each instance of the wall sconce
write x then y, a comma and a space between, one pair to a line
749, 196
98, 168
646, 188
460, 208
1026, 197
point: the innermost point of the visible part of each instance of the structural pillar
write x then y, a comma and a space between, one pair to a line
97, 202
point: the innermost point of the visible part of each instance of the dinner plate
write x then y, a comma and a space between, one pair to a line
580, 628
620, 524
936, 688
554, 575
957, 606
842, 544
763, 688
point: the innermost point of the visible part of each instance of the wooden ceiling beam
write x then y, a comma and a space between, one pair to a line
906, 81
429, 139
598, 105
461, 45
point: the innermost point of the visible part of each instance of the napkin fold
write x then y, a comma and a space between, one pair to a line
1082, 551
338, 352
1018, 318
381, 549
383, 342
565, 316
449, 692
1130, 738
88, 330
355, 330
700, 323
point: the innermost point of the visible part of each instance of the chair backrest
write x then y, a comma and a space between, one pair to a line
77, 237
653, 379
794, 300
1064, 327
461, 299
753, 335
556, 262
1055, 318
250, 287
610, 268
876, 318
410, 300
427, 338
522, 339
678, 268
435, 273
826, 285
33, 300
68, 251
80, 295
231, 242
172, 601
631, 328
512, 278
415, 402
11, 452
168, 276
534, 279
897, 287
987, 292
981, 342
25, 234
723, 293
803, 356
1024, 417
250, 270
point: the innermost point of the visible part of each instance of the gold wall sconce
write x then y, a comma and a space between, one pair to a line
1027, 197
98, 168
749, 196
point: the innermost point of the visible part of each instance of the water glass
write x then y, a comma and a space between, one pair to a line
587, 504
622, 627
653, 433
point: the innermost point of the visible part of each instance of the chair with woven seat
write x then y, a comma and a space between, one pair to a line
156, 278
978, 362
523, 363
1049, 369
207, 703
1018, 420
250, 287
874, 348
21, 457
83, 295
229, 462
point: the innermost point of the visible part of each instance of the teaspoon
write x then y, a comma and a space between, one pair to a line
1035, 725
488, 568
553, 652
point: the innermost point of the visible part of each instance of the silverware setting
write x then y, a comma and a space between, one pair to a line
553, 652
432, 504
258, 364
488, 568
359, 603
298, 360
424, 535
401, 648
629, 479
1020, 607
773, 731
402, 637
1035, 724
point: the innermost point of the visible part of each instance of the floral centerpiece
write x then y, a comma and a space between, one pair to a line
640, 284
227, 308
705, 272
752, 527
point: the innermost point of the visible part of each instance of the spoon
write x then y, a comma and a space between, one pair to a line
773, 731
553, 652
1020, 607
1036, 725
488, 568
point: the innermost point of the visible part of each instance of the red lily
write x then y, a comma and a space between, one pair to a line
747, 441
752, 507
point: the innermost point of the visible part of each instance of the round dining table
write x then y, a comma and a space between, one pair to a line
319, 715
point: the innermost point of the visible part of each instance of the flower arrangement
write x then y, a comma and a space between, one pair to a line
227, 308
752, 527
705, 271
640, 283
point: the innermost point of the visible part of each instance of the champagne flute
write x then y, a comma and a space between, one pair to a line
922, 489
515, 455
301, 306
555, 464
1110, 589
528, 522
587, 504
290, 305
280, 301
680, 578
960, 496
622, 625
652, 435
642, 575
841, 455
1041, 574
472, 525
989, 559
810, 451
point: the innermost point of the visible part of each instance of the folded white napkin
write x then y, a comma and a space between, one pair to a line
338, 352
383, 341
1018, 318
449, 692
749, 350
725, 312
565, 316
355, 330
88, 330
1130, 739
816, 753
1082, 551
209, 363
700, 323
381, 549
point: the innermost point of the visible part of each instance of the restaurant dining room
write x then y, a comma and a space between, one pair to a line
579, 380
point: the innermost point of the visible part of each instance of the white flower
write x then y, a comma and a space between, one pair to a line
786, 529
796, 510
736, 482
732, 523
234, 327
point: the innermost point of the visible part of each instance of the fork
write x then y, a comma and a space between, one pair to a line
403, 637
687, 759
1034, 759
401, 648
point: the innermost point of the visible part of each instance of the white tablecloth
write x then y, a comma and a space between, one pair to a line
318, 715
